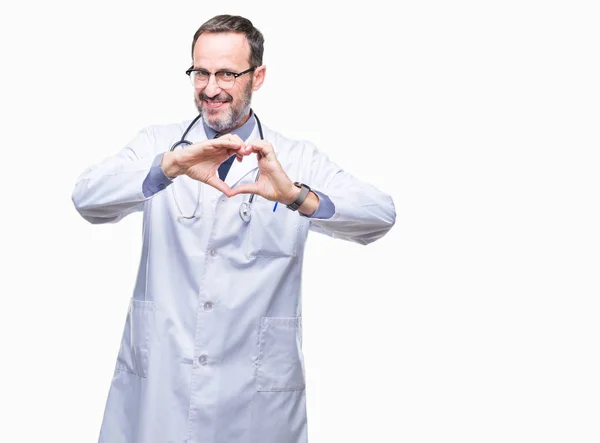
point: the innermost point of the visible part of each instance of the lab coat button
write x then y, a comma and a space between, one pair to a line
212, 252
208, 306
202, 360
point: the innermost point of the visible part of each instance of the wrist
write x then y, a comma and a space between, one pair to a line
301, 196
169, 165
291, 195
310, 205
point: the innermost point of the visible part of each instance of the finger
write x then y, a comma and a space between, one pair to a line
248, 188
264, 148
261, 143
219, 154
211, 146
231, 137
236, 138
230, 152
227, 139
242, 152
227, 144
254, 150
245, 150
220, 185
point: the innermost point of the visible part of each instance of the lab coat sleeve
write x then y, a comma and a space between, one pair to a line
107, 192
156, 180
362, 214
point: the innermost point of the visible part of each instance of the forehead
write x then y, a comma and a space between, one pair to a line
221, 50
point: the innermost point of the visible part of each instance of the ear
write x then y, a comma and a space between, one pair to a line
258, 77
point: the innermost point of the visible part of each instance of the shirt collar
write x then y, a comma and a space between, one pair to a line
242, 132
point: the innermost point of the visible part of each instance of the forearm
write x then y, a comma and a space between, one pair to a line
310, 205
361, 212
362, 215
108, 192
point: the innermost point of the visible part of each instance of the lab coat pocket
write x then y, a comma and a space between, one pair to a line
280, 365
135, 345
272, 233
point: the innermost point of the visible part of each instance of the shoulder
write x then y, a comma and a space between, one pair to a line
285, 146
166, 129
160, 137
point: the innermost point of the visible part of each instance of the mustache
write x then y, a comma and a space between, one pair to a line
220, 97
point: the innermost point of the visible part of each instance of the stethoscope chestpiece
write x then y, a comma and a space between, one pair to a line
245, 210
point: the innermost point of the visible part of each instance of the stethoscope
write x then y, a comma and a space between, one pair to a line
245, 207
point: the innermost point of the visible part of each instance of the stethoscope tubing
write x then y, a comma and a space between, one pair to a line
245, 208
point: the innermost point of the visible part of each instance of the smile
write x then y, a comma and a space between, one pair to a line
214, 104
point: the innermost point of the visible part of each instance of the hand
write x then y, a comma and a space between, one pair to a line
273, 183
201, 161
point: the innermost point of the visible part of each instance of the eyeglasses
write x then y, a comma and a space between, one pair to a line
225, 79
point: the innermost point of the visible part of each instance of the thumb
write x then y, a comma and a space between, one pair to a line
248, 188
220, 185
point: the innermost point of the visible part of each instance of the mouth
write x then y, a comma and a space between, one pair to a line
215, 104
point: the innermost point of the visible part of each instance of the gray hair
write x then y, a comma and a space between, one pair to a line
235, 23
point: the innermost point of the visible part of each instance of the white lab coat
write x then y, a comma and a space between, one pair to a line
212, 345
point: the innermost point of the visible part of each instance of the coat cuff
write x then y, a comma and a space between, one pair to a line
326, 208
156, 180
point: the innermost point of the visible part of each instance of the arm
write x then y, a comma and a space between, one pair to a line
341, 206
362, 214
120, 185
107, 192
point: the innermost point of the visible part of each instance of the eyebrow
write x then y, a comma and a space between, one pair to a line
218, 70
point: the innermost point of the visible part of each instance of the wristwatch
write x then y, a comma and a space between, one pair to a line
305, 189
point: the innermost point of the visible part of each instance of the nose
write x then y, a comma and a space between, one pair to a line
212, 88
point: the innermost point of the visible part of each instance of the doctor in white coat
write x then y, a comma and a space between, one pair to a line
212, 346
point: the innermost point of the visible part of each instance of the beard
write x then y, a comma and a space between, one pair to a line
223, 121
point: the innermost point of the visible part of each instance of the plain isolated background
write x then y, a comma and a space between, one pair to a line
476, 319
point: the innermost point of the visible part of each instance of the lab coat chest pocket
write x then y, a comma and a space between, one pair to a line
135, 345
280, 365
272, 233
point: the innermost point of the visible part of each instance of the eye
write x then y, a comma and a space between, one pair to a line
226, 75
202, 74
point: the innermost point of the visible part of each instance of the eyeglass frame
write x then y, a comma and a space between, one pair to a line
235, 75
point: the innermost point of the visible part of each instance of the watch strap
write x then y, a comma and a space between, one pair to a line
304, 190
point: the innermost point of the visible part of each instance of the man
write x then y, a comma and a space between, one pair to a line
211, 350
